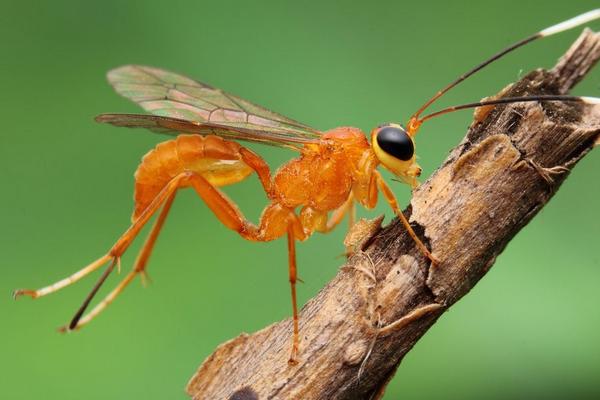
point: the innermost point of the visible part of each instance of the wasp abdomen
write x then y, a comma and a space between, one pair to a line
216, 159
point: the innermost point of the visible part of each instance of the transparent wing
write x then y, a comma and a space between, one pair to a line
176, 126
180, 104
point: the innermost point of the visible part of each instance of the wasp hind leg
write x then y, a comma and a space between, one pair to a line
165, 197
139, 268
63, 282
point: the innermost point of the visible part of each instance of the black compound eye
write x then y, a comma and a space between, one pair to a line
396, 142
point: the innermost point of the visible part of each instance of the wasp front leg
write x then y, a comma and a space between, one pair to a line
391, 199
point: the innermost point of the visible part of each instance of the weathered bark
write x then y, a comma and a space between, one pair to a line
358, 328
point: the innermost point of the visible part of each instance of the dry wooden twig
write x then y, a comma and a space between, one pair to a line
358, 328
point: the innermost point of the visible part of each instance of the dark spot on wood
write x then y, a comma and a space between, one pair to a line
244, 394
498, 151
562, 112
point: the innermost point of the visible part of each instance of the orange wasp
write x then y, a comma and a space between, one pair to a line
311, 193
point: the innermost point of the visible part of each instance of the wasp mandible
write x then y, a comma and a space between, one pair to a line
313, 192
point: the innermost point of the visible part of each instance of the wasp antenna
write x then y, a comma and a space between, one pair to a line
590, 100
414, 122
510, 100
571, 23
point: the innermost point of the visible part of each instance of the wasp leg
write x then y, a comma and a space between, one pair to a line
166, 197
391, 199
117, 250
293, 273
275, 222
259, 166
225, 214
144, 255
338, 215
63, 282
139, 268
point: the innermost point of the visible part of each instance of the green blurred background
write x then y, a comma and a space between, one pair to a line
528, 330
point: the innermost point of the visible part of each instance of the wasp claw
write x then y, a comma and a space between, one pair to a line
24, 292
292, 362
293, 357
146, 280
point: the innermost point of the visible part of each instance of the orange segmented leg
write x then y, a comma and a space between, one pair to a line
138, 268
275, 222
259, 165
64, 282
114, 254
337, 216
293, 272
222, 207
164, 196
168, 193
146, 251
339, 213
124, 241
391, 199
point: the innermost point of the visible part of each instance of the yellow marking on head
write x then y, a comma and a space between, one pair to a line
406, 170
